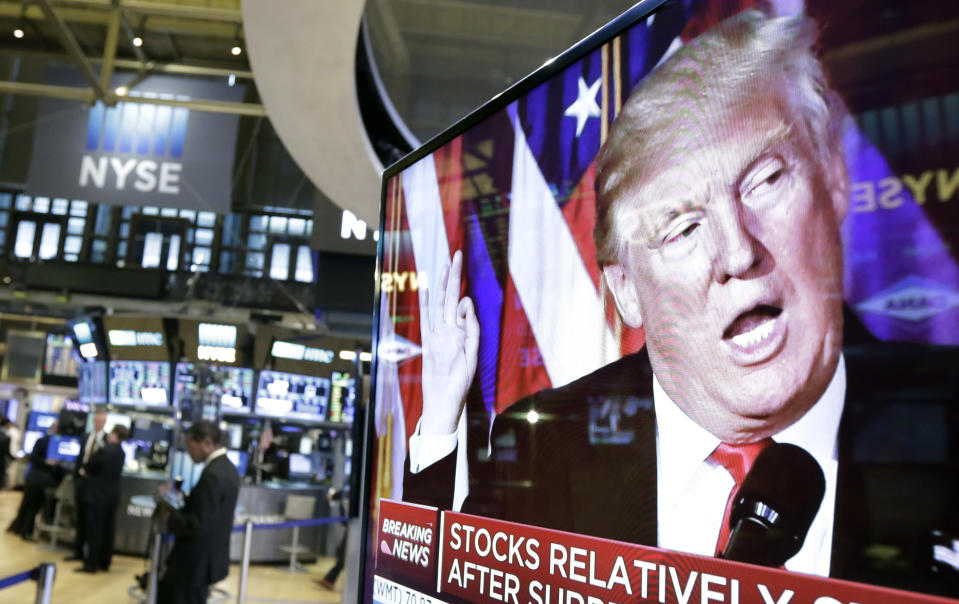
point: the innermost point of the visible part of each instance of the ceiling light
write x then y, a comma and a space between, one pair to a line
236, 50
137, 41
18, 33
122, 90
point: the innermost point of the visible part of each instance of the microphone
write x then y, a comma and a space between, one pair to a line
774, 506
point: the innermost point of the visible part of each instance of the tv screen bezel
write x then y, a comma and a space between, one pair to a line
617, 26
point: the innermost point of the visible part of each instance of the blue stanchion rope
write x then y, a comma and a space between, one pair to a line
14, 579
291, 523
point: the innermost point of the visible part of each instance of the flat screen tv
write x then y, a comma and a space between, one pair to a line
140, 383
292, 396
685, 297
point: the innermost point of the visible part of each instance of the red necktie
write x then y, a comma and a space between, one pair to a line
737, 459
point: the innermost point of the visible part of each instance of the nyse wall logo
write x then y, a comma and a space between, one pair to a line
135, 146
912, 299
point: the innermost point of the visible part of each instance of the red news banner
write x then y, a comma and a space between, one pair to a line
461, 558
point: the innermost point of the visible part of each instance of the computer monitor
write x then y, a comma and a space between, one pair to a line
40, 421
292, 396
145, 383
301, 467
63, 448
114, 419
30, 438
239, 459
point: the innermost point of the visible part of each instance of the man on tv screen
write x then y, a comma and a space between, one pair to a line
720, 194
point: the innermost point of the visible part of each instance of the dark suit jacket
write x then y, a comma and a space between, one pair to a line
201, 553
102, 483
4, 455
576, 471
42, 474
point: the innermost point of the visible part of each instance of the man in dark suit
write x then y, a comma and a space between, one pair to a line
5, 456
720, 192
41, 475
201, 551
92, 441
101, 496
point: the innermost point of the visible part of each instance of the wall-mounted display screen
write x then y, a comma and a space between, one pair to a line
291, 396
92, 382
688, 297
231, 387
140, 383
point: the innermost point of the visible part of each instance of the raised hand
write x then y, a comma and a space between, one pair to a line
450, 340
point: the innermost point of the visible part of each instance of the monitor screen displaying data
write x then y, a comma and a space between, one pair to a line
300, 397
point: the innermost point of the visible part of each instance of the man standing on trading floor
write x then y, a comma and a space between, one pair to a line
41, 475
91, 443
101, 496
201, 551
5, 455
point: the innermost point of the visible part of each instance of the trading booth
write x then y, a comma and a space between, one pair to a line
287, 404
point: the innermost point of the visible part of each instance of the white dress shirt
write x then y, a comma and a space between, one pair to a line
693, 489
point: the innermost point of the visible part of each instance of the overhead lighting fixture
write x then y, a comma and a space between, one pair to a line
237, 50
18, 33
137, 41
122, 90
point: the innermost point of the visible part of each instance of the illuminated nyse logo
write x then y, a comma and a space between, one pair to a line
216, 343
144, 129
912, 299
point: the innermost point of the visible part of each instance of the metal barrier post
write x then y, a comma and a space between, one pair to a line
154, 569
245, 563
48, 572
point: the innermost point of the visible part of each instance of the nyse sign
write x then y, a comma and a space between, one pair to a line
147, 149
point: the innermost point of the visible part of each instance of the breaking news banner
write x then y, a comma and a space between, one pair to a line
485, 561
406, 542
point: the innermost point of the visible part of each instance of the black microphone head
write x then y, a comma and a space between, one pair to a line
775, 505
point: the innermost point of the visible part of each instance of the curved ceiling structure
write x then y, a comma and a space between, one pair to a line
303, 55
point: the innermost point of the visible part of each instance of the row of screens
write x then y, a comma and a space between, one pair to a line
278, 394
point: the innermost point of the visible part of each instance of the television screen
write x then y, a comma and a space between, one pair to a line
30, 438
236, 389
59, 358
291, 396
40, 421
140, 383
686, 297
63, 448
232, 387
92, 382
117, 419
301, 466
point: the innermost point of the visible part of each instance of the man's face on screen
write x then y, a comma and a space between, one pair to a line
733, 264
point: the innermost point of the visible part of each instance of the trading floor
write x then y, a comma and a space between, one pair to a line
273, 584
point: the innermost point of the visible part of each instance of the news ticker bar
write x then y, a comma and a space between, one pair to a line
448, 556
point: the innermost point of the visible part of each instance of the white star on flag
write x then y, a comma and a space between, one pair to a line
584, 107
